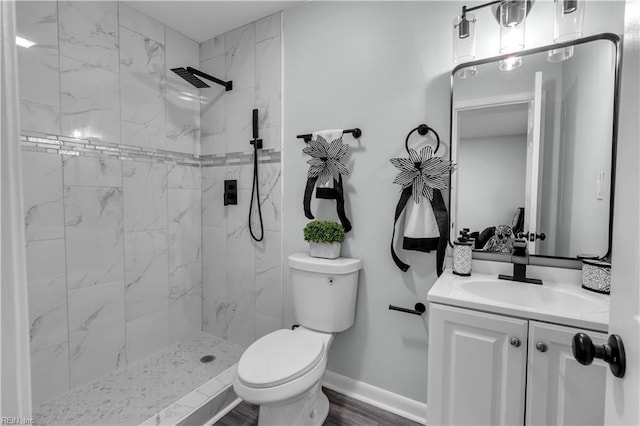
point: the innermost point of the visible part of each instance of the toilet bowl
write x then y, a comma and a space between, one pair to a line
282, 371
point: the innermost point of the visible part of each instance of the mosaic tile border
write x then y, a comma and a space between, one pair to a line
64, 145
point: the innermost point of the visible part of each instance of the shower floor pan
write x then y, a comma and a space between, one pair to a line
171, 387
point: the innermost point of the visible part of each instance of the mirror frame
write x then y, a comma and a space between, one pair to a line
544, 260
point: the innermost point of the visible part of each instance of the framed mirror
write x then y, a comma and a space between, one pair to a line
534, 140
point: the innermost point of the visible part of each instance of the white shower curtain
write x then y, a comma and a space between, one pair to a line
15, 376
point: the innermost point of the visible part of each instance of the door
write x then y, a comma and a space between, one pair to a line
560, 391
535, 156
622, 406
476, 374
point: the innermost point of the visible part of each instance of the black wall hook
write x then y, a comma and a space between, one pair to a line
422, 130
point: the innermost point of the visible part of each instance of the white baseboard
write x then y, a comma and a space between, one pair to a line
378, 397
226, 410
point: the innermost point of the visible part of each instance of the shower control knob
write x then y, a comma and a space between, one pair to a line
515, 342
541, 346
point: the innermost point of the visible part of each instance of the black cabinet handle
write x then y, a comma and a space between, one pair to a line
419, 309
585, 351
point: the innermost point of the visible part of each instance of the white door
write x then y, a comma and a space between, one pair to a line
476, 374
623, 395
534, 163
561, 391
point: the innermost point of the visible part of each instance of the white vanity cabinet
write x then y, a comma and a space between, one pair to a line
484, 369
476, 375
560, 391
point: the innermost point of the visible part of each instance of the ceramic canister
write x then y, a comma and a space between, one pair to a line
462, 258
596, 276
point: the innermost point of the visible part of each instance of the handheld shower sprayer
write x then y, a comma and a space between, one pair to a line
255, 191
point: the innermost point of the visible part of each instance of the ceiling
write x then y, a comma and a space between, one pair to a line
504, 120
202, 20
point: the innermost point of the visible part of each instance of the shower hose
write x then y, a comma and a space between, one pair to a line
255, 194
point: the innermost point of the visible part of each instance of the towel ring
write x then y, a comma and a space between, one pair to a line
422, 129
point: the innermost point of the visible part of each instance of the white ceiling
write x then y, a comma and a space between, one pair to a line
202, 20
505, 120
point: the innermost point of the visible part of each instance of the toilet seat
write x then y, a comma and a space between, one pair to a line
278, 358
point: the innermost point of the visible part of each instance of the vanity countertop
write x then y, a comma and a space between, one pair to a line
555, 302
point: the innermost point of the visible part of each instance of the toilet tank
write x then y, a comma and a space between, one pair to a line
324, 291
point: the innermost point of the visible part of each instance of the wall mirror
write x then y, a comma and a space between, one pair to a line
534, 140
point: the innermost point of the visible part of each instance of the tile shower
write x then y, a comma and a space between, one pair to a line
129, 247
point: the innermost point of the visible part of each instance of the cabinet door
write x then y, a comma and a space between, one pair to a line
561, 391
476, 376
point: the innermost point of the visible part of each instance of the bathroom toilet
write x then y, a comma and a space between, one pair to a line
282, 371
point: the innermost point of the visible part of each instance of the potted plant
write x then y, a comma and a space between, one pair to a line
324, 238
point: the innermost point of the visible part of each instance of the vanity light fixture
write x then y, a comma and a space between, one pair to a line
511, 16
464, 43
568, 27
23, 42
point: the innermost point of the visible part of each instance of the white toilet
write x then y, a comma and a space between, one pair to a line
281, 371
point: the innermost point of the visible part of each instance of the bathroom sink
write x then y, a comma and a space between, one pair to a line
559, 302
531, 296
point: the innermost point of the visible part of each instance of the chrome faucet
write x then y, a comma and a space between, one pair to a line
520, 260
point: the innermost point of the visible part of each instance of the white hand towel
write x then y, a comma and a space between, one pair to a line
421, 228
328, 135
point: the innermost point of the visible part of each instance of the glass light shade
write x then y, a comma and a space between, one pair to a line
512, 14
510, 64
466, 72
569, 20
559, 55
464, 40
512, 38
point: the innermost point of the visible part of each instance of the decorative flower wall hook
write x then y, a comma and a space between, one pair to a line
424, 171
326, 159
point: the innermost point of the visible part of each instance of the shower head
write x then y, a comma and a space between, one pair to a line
190, 78
189, 74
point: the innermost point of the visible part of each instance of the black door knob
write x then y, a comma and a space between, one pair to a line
585, 351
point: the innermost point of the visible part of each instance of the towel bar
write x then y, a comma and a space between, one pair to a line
419, 309
356, 134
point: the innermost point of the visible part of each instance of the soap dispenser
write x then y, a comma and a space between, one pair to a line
462, 249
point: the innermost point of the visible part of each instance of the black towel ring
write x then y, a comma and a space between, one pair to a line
422, 129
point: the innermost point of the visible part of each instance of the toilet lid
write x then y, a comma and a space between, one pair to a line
278, 358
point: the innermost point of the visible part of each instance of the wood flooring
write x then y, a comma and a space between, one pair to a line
343, 411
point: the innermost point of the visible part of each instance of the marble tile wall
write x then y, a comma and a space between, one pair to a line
113, 225
101, 70
242, 298
129, 246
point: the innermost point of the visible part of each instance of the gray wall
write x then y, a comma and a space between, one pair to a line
383, 67
491, 191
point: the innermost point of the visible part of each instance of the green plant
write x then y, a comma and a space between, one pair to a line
321, 231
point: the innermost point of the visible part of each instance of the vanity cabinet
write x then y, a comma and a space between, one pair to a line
486, 368
560, 391
477, 367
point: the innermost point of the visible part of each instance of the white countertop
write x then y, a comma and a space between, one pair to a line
558, 302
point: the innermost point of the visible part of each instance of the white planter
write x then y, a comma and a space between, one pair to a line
324, 250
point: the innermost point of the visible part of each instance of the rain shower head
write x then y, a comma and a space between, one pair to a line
189, 74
